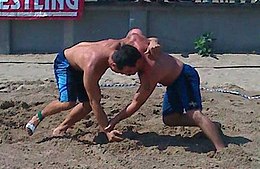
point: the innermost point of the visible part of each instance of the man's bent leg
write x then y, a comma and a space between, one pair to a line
208, 127
52, 108
76, 114
177, 119
196, 118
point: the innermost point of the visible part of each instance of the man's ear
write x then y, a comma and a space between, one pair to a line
113, 65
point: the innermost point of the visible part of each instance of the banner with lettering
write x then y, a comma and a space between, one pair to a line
41, 9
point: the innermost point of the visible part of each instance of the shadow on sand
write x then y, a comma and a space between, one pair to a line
74, 137
198, 143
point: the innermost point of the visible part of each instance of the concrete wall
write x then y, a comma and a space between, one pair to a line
36, 36
101, 24
5, 37
236, 27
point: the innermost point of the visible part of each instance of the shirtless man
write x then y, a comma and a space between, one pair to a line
78, 70
182, 100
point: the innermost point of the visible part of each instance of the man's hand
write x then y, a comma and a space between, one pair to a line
114, 136
111, 125
153, 49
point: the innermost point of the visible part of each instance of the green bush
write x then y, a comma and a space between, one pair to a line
204, 44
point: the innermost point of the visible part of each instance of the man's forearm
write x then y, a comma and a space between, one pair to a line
100, 116
126, 112
122, 115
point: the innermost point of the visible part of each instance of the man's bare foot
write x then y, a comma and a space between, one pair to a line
58, 131
220, 148
220, 145
211, 154
215, 153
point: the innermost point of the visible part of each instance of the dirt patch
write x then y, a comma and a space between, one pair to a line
148, 142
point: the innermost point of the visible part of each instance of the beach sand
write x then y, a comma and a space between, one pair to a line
27, 85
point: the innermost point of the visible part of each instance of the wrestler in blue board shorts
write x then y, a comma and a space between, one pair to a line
69, 81
184, 93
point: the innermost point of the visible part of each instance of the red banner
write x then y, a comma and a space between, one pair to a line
41, 9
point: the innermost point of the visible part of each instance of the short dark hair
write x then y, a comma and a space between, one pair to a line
127, 55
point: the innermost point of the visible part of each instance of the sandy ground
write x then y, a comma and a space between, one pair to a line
27, 85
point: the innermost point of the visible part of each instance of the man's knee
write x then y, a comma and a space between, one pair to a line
165, 120
196, 115
68, 105
171, 120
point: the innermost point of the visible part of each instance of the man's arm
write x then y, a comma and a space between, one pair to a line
144, 45
91, 78
154, 48
145, 90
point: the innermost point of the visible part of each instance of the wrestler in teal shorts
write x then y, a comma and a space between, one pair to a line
69, 81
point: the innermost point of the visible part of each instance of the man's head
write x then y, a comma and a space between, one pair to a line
125, 59
135, 31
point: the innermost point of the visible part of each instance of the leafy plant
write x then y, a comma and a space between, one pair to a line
204, 44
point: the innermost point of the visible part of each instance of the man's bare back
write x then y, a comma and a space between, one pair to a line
84, 53
165, 69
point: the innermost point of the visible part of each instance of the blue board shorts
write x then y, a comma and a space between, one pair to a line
184, 93
69, 81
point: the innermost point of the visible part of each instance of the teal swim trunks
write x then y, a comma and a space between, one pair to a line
69, 81
184, 93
